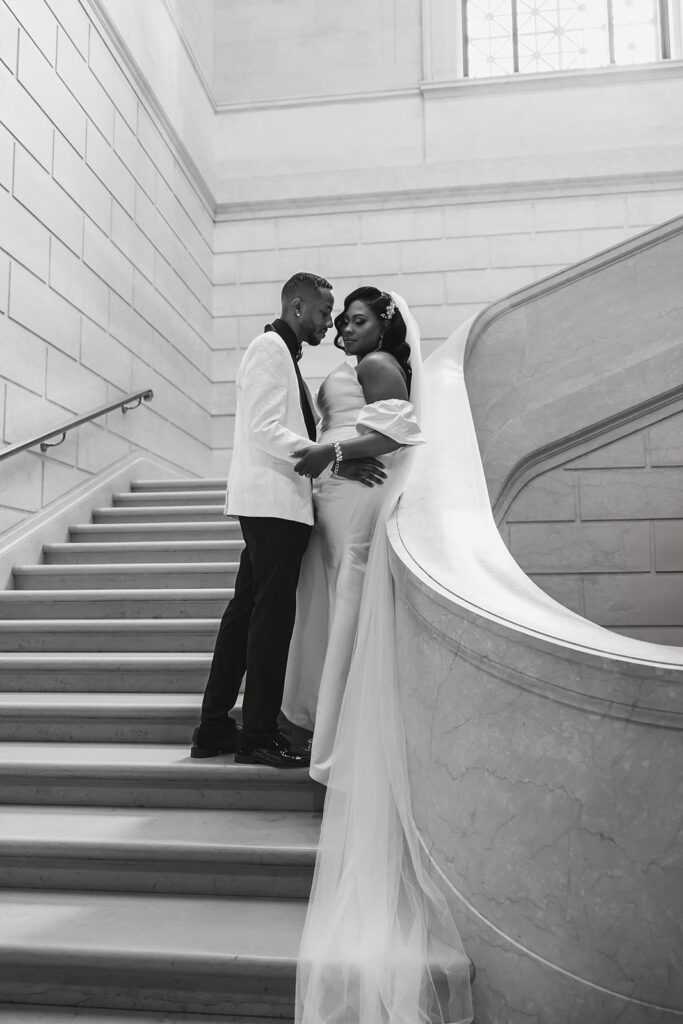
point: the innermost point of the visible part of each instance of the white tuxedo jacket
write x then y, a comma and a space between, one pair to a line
269, 424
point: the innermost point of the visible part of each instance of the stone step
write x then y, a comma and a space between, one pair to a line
140, 775
109, 672
225, 529
215, 954
72, 636
189, 484
160, 514
126, 576
162, 850
119, 604
143, 551
71, 717
39, 1014
139, 499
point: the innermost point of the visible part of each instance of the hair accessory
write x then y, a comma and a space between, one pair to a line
388, 313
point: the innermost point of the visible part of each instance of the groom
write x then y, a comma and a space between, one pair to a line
274, 415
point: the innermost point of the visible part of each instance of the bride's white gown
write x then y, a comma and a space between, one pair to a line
379, 945
333, 569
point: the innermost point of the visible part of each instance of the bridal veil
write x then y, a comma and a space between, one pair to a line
379, 944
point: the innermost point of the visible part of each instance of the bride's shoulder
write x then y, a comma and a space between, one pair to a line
381, 377
378, 366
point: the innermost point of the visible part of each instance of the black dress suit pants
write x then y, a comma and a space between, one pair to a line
256, 630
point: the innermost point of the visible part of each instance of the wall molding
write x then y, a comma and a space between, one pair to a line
147, 94
582, 442
576, 272
456, 85
185, 43
318, 100
446, 195
556, 80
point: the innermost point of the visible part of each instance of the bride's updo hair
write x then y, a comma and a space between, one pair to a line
394, 327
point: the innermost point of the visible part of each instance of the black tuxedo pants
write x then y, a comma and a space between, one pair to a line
256, 629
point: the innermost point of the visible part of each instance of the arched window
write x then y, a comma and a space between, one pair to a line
505, 37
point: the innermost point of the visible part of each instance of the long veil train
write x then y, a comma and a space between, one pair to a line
379, 944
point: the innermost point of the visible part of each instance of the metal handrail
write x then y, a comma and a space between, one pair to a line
122, 403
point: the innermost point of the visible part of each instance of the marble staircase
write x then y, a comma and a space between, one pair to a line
135, 883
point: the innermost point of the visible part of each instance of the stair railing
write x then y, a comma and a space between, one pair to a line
126, 404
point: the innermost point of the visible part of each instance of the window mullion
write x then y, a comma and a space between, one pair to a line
610, 31
664, 29
515, 37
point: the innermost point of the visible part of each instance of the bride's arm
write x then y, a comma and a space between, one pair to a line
381, 378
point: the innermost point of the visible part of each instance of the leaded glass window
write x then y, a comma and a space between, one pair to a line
502, 37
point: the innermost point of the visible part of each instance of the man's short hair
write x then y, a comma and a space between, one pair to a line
302, 285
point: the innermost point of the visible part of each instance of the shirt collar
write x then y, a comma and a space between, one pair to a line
288, 336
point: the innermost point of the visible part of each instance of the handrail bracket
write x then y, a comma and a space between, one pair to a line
44, 445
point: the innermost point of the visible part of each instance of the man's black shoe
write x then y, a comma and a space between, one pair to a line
226, 744
274, 751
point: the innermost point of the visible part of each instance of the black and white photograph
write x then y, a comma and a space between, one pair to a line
341, 512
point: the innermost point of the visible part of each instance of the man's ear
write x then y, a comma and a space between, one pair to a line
297, 306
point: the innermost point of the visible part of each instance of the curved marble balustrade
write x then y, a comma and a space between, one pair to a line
580, 346
545, 755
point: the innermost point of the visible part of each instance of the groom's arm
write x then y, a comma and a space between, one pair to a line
265, 373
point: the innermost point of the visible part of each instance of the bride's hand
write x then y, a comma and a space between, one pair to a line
313, 459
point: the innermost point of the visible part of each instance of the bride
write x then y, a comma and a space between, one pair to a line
379, 945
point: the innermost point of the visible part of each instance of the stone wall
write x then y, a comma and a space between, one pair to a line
105, 260
448, 260
603, 534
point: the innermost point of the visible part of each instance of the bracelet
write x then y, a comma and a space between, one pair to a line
338, 457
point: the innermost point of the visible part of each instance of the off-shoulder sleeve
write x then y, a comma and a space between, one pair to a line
394, 417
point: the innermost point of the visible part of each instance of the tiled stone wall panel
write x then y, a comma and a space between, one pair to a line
6, 159
134, 157
105, 356
25, 407
58, 480
78, 284
40, 81
632, 494
50, 204
127, 236
9, 35
111, 171
626, 452
152, 142
39, 23
23, 237
23, 359
99, 448
22, 481
44, 312
114, 269
72, 385
79, 181
113, 81
4, 282
644, 600
621, 560
23, 117
74, 21
669, 545
581, 547
82, 84
547, 498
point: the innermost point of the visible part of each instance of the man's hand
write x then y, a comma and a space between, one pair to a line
366, 471
313, 459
